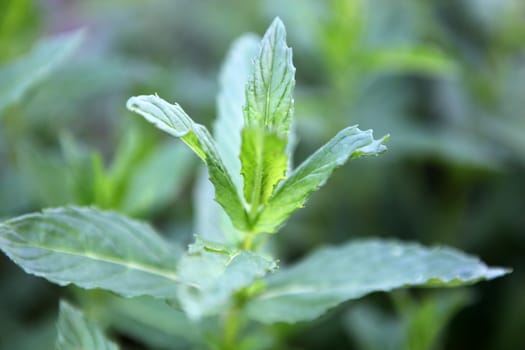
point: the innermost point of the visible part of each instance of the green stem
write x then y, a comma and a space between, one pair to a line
247, 243
231, 328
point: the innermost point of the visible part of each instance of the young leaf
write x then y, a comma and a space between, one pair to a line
269, 101
264, 160
173, 120
268, 116
75, 332
219, 271
333, 275
18, 77
92, 249
293, 192
230, 101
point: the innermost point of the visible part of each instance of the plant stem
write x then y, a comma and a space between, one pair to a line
231, 328
247, 243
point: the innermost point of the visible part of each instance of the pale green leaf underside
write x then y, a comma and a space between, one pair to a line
219, 271
172, 119
92, 249
333, 275
293, 192
19, 76
230, 101
75, 332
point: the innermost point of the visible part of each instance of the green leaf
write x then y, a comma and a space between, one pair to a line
75, 332
230, 101
264, 160
92, 249
173, 120
268, 116
269, 101
293, 192
18, 77
333, 275
219, 271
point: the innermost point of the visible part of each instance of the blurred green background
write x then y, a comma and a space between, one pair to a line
445, 78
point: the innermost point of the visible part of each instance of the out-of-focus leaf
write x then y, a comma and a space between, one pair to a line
75, 332
19, 76
219, 271
426, 321
92, 249
293, 192
373, 329
148, 187
333, 275
173, 120
418, 324
230, 101
149, 320
18, 26
45, 176
420, 59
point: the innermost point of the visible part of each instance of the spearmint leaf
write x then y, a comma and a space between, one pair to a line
18, 77
264, 160
230, 101
92, 249
267, 117
173, 120
75, 332
293, 192
219, 271
269, 100
333, 275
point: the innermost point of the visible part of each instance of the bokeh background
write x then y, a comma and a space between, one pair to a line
446, 79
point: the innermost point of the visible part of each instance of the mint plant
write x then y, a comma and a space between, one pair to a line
228, 276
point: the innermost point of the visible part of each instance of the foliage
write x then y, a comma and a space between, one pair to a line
443, 79
97, 249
